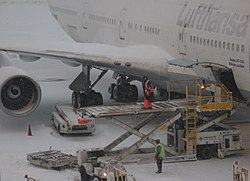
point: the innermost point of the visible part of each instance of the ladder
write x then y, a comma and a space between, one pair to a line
191, 130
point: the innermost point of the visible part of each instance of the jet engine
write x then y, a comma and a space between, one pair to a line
20, 94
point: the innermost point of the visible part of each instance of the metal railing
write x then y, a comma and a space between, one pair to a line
241, 175
203, 97
221, 99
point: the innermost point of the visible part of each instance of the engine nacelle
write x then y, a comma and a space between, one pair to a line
19, 93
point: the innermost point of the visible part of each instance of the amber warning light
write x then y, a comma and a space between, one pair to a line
202, 86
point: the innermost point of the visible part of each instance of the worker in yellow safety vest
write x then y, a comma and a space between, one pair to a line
148, 93
236, 171
159, 155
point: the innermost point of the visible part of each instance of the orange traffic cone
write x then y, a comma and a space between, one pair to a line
29, 131
146, 102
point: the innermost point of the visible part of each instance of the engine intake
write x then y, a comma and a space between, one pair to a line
20, 94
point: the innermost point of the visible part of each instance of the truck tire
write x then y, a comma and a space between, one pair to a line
96, 178
117, 93
98, 99
59, 129
134, 93
205, 152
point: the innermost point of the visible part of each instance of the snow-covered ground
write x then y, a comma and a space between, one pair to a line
29, 20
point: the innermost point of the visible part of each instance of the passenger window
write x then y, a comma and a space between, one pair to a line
197, 40
237, 47
242, 48
228, 46
194, 39
207, 42
191, 39
204, 42
233, 47
200, 41
215, 43
224, 45
212, 43
219, 44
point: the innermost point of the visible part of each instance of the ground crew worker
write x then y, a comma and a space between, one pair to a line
159, 154
148, 93
236, 171
83, 173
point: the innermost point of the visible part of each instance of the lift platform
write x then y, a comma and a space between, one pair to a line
193, 119
185, 122
133, 109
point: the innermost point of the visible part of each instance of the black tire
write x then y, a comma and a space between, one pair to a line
117, 93
134, 93
76, 100
205, 152
111, 89
214, 150
90, 98
98, 98
59, 129
96, 178
83, 100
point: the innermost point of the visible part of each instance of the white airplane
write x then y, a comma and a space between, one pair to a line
160, 39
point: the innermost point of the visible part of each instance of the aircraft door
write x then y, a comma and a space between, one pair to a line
122, 24
182, 41
85, 15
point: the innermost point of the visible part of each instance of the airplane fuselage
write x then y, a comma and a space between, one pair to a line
206, 30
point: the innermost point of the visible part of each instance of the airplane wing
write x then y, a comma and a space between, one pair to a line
121, 59
21, 94
134, 61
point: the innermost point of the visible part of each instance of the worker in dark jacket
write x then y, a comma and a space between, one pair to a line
159, 155
148, 93
83, 173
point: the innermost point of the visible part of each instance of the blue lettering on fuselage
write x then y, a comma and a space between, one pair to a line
207, 18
